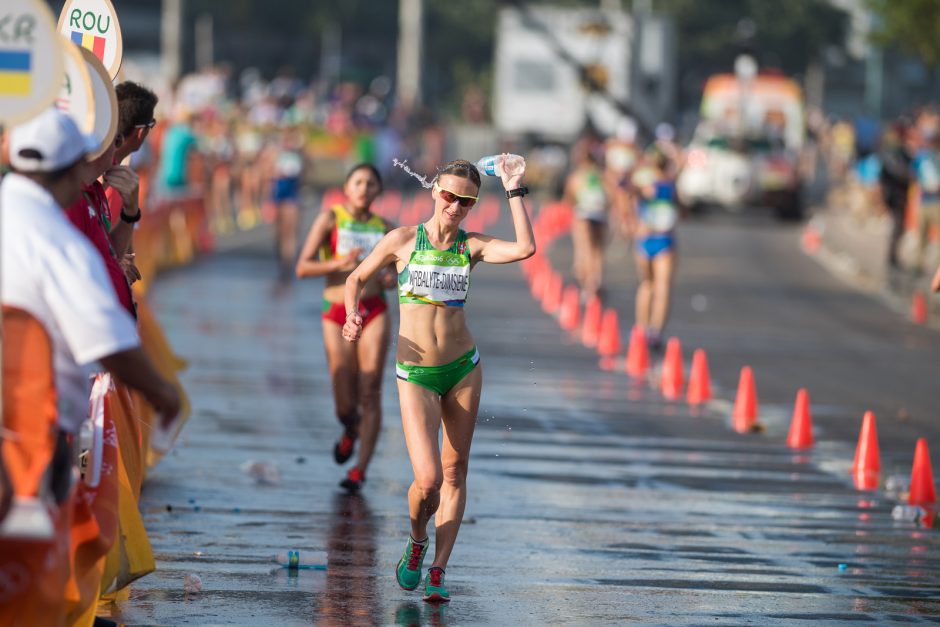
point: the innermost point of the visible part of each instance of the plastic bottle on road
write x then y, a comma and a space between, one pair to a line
494, 165
295, 559
264, 473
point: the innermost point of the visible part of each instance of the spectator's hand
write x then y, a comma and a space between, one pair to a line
935, 283
353, 327
126, 182
130, 270
166, 402
350, 261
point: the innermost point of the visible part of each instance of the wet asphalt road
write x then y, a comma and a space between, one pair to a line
592, 500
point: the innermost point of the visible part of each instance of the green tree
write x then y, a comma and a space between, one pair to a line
911, 25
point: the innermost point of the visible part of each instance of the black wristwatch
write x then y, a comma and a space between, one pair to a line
519, 191
131, 219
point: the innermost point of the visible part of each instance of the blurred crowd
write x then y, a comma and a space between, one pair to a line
228, 135
889, 170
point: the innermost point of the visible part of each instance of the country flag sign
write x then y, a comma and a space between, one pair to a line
92, 42
15, 72
93, 25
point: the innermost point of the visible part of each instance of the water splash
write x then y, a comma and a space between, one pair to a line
421, 179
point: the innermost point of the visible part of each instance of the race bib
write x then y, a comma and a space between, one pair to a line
289, 165
660, 215
350, 238
437, 277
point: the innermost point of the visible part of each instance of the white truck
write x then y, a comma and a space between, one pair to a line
558, 68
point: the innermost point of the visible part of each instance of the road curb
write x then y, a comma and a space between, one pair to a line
854, 248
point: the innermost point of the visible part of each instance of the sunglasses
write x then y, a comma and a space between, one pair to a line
149, 124
450, 197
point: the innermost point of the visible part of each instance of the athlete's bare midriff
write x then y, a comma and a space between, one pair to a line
336, 282
429, 335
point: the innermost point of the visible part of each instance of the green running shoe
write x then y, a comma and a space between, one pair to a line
434, 591
408, 572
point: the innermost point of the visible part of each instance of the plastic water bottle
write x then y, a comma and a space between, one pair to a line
192, 584
263, 473
494, 165
295, 559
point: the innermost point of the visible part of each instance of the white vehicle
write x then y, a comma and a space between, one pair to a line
745, 152
714, 173
544, 54
736, 172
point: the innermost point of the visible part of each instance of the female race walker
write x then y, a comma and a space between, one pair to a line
438, 364
338, 240
653, 226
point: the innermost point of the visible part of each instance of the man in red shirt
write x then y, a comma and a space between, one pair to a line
110, 228
91, 216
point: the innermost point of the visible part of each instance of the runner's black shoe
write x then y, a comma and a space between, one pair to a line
353, 481
344, 447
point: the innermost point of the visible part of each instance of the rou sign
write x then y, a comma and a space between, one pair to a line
93, 25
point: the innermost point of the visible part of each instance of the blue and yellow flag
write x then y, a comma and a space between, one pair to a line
14, 72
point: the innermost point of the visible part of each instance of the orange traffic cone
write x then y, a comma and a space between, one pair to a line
700, 386
638, 359
570, 316
744, 417
867, 465
801, 425
811, 240
673, 370
591, 329
923, 491
609, 343
919, 307
551, 299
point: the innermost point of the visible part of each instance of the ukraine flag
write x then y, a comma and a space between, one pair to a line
15, 79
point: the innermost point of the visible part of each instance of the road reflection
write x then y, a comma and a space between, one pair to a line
413, 614
351, 596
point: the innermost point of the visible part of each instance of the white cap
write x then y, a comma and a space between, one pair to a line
48, 142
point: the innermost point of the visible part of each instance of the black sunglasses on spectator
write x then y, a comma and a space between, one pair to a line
149, 124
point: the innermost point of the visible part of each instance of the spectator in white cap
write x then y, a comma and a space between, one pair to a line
51, 271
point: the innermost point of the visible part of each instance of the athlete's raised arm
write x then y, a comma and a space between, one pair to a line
492, 250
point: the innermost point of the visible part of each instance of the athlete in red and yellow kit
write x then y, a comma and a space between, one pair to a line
339, 239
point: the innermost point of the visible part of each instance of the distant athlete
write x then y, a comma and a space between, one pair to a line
286, 162
588, 191
338, 240
438, 365
653, 226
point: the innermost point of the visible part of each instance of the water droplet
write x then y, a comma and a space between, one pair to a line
404, 166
